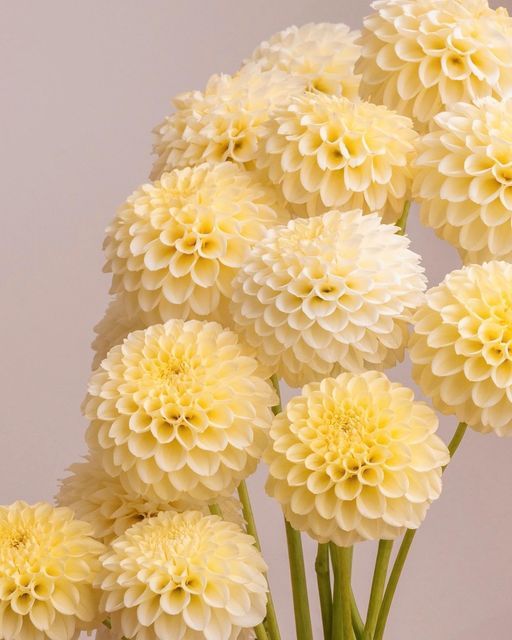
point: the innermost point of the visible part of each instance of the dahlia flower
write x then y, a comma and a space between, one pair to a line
176, 244
325, 54
464, 179
461, 347
355, 458
179, 411
327, 294
422, 55
184, 576
48, 563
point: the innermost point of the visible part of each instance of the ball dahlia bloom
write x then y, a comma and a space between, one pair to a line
184, 576
422, 55
327, 294
48, 563
324, 53
326, 151
179, 411
461, 347
464, 178
176, 244
355, 458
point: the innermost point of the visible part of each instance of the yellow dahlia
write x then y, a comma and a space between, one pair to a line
464, 179
324, 54
48, 564
179, 411
184, 577
422, 55
355, 458
461, 347
328, 294
176, 244
225, 122
326, 151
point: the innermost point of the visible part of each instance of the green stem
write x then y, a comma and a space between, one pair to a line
299, 584
341, 613
215, 510
275, 383
260, 631
357, 623
402, 221
378, 584
323, 578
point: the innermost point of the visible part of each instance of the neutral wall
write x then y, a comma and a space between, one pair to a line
84, 82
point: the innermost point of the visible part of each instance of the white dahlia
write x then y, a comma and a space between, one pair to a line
464, 179
184, 577
326, 151
421, 55
461, 347
179, 411
176, 244
355, 458
328, 294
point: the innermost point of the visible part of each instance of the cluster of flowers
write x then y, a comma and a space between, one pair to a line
270, 243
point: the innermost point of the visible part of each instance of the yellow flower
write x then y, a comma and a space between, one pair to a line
464, 179
461, 347
48, 563
326, 151
328, 294
176, 244
355, 458
422, 55
179, 411
184, 577
323, 53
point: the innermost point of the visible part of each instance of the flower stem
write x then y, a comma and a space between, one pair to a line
323, 578
402, 221
357, 623
215, 510
378, 584
275, 383
299, 584
341, 613
260, 631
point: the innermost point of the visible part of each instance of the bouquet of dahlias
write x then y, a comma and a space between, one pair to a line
270, 246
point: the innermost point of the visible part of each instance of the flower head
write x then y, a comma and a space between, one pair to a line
184, 576
461, 347
326, 151
328, 294
179, 411
355, 458
464, 178
48, 563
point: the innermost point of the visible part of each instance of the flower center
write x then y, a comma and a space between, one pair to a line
344, 428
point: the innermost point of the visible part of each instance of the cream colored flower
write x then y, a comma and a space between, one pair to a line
328, 294
326, 151
461, 347
179, 411
111, 509
324, 53
225, 122
355, 458
184, 577
465, 179
422, 55
176, 244
48, 563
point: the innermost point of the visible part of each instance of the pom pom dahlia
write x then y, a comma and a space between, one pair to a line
327, 294
48, 563
461, 347
464, 178
184, 577
355, 458
179, 411
175, 245
326, 152
421, 55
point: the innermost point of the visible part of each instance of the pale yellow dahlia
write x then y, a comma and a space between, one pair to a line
328, 294
48, 564
176, 244
326, 151
184, 577
422, 55
324, 53
464, 179
179, 411
355, 458
225, 122
461, 347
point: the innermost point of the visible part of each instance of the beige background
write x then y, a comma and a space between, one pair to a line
83, 84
